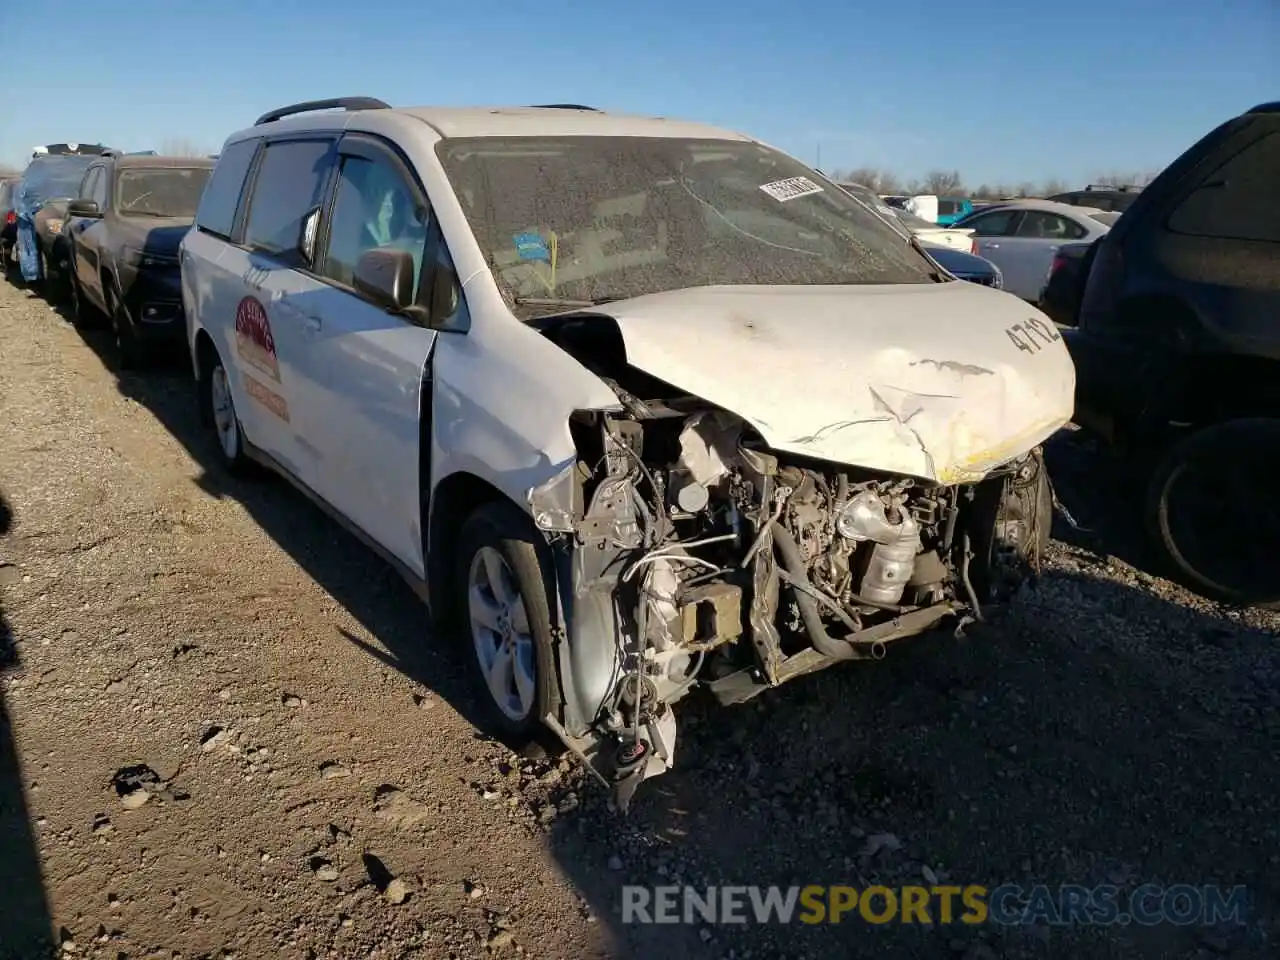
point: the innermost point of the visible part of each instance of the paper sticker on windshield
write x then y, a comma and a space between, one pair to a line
531, 246
784, 190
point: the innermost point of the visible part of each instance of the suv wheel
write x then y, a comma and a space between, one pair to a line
84, 315
55, 284
501, 594
1212, 514
129, 352
218, 409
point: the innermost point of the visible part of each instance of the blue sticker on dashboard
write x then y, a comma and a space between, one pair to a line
531, 246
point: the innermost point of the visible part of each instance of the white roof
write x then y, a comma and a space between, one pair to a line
1066, 209
540, 121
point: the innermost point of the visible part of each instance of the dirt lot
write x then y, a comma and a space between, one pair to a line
227, 732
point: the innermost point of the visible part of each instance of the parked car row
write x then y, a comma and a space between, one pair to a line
638, 406
39, 204
101, 229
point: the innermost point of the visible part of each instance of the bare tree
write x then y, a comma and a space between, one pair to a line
880, 181
1136, 178
183, 147
1053, 186
8, 170
942, 183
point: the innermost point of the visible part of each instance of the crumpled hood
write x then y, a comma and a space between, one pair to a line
923, 380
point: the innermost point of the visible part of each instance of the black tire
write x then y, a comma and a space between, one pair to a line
1230, 558
84, 315
231, 455
55, 284
129, 352
501, 527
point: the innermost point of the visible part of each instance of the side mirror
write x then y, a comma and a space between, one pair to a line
307, 236
445, 295
386, 277
84, 208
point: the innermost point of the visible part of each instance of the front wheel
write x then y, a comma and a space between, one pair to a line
55, 284
1012, 521
501, 588
84, 315
1212, 514
129, 351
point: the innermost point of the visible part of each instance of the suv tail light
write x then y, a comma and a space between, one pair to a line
1101, 286
1059, 261
10, 218
973, 247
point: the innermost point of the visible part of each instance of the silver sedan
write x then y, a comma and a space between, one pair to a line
1021, 238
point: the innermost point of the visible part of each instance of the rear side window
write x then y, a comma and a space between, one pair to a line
1238, 200
289, 185
998, 223
217, 212
948, 208
1042, 225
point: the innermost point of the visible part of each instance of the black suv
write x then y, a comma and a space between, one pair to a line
1177, 356
1113, 199
122, 235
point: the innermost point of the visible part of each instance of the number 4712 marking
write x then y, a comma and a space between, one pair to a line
1032, 334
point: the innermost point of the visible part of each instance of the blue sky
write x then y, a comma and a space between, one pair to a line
1001, 90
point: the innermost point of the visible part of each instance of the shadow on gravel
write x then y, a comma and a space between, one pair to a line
368, 588
1094, 733
25, 923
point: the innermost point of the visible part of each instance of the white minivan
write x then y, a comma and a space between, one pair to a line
638, 405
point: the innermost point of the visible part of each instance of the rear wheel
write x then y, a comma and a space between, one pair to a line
501, 594
1212, 514
218, 410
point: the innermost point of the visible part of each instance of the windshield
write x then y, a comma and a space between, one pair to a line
56, 177
607, 218
161, 191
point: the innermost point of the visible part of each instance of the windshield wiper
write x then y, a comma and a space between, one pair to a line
561, 302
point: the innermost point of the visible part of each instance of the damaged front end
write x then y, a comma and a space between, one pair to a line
690, 554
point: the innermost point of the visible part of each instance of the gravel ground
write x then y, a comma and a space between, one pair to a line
226, 732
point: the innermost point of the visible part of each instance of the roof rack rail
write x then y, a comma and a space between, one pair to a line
344, 103
564, 106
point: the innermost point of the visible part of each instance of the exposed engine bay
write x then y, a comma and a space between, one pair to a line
689, 554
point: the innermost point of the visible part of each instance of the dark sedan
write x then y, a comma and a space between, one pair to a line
123, 232
966, 266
